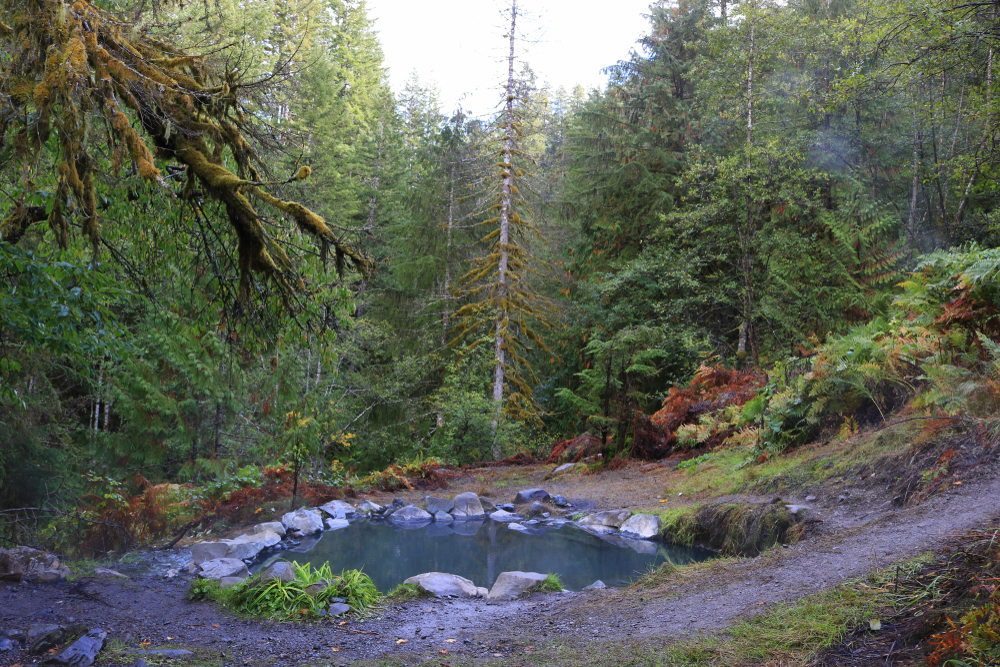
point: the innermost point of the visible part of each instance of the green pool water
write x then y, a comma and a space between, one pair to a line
481, 550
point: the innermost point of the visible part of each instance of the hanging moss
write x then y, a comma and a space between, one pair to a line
154, 99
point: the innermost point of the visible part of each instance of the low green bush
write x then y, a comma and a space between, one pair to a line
307, 596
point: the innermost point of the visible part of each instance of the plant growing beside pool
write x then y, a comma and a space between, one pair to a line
307, 596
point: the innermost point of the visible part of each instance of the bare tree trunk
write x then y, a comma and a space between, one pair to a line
218, 430
506, 200
911, 223
746, 240
446, 314
989, 98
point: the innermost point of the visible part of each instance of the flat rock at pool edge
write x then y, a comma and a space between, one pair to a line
528, 495
443, 517
435, 505
223, 567
275, 527
509, 585
467, 506
302, 520
503, 515
641, 526
338, 507
203, 551
410, 513
83, 651
442, 584
612, 519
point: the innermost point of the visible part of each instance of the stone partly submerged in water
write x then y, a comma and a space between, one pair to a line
641, 526
410, 513
442, 584
368, 507
337, 524
503, 515
467, 506
443, 517
509, 585
304, 521
82, 652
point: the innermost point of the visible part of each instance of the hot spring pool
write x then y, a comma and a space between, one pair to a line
480, 550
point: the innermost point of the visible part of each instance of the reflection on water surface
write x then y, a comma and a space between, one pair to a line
480, 550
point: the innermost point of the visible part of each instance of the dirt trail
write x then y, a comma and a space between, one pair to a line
857, 533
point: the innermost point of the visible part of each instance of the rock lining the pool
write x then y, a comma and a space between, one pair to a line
262, 540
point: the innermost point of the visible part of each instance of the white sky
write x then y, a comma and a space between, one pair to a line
458, 45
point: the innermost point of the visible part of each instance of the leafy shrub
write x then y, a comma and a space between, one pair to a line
203, 589
307, 596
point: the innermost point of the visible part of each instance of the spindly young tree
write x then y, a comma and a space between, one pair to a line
501, 297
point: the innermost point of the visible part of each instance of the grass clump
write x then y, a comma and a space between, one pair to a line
407, 592
552, 584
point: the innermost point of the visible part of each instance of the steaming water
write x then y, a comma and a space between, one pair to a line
481, 550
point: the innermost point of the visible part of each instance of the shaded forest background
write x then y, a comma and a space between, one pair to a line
761, 187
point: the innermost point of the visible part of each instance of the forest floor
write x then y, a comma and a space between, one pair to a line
803, 598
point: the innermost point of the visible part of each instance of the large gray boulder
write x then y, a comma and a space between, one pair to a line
27, 564
203, 551
641, 526
275, 527
83, 651
339, 509
467, 506
410, 513
223, 567
613, 519
509, 585
441, 584
528, 495
435, 505
279, 569
303, 520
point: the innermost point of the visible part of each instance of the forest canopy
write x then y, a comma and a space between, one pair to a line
228, 245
